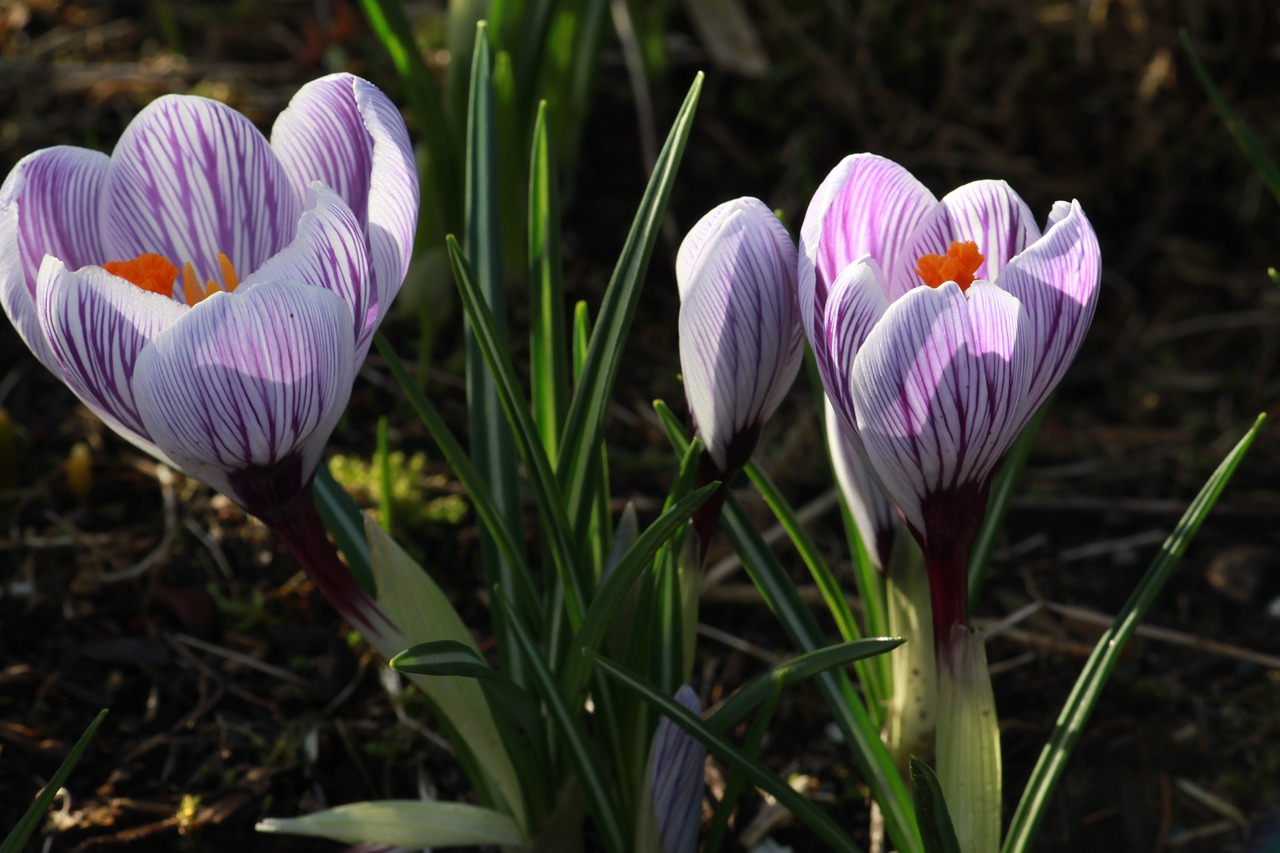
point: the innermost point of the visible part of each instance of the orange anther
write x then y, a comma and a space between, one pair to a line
959, 264
153, 273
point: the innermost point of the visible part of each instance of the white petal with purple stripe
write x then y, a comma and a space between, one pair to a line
740, 338
344, 132
856, 304
988, 213
1056, 280
97, 326
191, 178
249, 381
330, 253
867, 205
48, 205
676, 779
937, 388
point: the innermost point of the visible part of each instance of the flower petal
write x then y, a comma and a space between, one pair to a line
1056, 280
191, 178
740, 337
867, 205
97, 326
872, 513
855, 306
676, 778
329, 252
344, 132
937, 388
988, 213
48, 205
244, 392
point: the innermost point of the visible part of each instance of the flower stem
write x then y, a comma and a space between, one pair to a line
299, 525
949, 595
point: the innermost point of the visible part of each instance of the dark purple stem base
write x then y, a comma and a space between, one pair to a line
299, 525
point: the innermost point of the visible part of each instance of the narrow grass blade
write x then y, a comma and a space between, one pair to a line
1240, 132
585, 423
1053, 759
568, 727
549, 371
832, 594
613, 588
873, 761
468, 476
1002, 489
343, 519
753, 694
598, 535
734, 784
936, 831
507, 390
17, 838
491, 442
805, 811
389, 24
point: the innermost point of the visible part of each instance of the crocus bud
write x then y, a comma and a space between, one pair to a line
675, 778
740, 336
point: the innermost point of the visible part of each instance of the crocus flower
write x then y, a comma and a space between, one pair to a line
740, 335
676, 779
210, 294
939, 327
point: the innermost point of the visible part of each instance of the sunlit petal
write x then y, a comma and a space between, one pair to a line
191, 178
330, 253
740, 338
988, 213
866, 206
1056, 280
48, 205
97, 326
244, 392
345, 133
937, 388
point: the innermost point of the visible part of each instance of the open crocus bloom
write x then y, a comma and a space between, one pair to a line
740, 336
210, 294
939, 327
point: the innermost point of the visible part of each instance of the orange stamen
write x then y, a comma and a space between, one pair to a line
959, 264
196, 292
153, 273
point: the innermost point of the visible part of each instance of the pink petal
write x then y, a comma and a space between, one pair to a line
244, 392
191, 178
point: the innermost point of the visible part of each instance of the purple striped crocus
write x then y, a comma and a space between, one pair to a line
210, 294
740, 336
676, 779
939, 327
